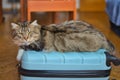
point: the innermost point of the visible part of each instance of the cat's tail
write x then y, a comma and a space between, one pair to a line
111, 47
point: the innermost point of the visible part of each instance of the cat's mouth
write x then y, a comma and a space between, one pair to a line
26, 43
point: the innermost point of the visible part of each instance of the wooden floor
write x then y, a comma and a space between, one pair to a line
8, 51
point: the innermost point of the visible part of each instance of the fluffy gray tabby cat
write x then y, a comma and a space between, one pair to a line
65, 37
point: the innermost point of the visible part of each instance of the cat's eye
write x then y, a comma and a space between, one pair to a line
35, 32
30, 34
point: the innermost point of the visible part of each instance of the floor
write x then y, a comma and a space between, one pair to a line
8, 51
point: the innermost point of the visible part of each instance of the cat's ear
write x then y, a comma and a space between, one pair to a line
34, 23
14, 26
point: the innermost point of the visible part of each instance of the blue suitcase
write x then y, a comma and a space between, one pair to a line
66, 66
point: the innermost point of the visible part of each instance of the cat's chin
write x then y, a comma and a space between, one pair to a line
23, 44
26, 44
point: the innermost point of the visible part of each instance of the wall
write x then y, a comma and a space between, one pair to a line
7, 5
77, 4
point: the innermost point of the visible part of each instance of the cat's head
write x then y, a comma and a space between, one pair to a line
25, 33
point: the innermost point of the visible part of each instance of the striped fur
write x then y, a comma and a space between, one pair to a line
65, 37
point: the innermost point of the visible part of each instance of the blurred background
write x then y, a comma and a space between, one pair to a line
13, 7
91, 11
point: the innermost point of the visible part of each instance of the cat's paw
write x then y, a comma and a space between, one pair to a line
19, 55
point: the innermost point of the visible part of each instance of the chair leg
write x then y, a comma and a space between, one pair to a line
72, 15
29, 16
75, 15
23, 10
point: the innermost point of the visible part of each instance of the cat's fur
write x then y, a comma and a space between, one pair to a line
65, 37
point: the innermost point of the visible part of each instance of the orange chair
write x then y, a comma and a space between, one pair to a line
51, 6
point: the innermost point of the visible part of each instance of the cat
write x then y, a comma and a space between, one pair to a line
68, 36
75, 36
26, 35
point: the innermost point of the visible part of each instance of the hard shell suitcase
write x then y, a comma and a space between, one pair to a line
66, 66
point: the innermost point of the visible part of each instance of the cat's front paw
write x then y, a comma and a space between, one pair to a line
19, 55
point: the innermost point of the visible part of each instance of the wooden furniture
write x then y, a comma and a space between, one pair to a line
48, 6
23, 10
1, 17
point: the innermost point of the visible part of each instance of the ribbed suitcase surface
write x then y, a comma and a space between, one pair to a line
64, 66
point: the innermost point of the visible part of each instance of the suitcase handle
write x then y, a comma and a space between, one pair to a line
112, 59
